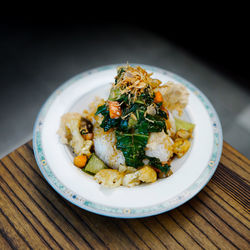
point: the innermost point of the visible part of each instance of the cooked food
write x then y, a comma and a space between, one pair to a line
70, 132
132, 137
109, 177
160, 145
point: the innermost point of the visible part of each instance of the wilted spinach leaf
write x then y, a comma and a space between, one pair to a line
132, 147
155, 162
108, 123
162, 113
102, 110
124, 125
147, 97
151, 124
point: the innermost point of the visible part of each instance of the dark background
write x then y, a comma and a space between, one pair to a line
219, 39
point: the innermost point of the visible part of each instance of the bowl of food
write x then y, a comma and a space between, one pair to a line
127, 140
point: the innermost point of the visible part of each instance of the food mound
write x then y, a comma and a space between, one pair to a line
132, 137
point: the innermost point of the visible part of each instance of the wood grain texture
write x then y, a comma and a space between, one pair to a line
34, 216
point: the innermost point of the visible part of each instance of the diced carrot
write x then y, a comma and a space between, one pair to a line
114, 109
88, 136
158, 97
80, 161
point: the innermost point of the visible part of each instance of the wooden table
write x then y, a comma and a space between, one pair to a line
33, 215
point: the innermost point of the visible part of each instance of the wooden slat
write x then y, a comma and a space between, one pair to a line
236, 157
33, 215
4, 243
146, 235
227, 203
106, 229
192, 230
211, 217
21, 223
224, 214
11, 234
180, 235
233, 185
231, 165
234, 230
160, 232
206, 227
131, 234
31, 219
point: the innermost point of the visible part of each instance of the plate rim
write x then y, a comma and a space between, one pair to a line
117, 212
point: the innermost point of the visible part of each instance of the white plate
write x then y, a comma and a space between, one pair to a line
191, 173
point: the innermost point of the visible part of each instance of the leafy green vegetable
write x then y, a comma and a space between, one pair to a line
150, 124
124, 125
147, 97
132, 121
102, 110
119, 74
162, 113
109, 123
132, 146
139, 101
115, 94
155, 162
123, 98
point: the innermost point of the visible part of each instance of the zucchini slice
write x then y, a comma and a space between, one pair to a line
94, 164
180, 124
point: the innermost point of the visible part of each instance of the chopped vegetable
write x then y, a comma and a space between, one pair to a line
107, 122
147, 174
80, 161
109, 177
158, 97
95, 164
131, 180
115, 94
132, 121
114, 109
181, 146
180, 124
